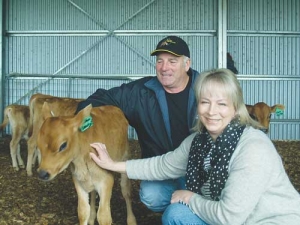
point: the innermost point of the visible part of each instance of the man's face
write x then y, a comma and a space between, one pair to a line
171, 72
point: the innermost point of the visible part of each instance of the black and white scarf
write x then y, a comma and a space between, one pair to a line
208, 160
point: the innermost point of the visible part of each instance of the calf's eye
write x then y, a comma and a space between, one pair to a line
63, 146
253, 117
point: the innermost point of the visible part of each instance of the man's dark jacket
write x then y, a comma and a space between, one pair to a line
144, 104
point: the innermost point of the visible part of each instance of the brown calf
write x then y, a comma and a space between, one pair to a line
261, 112
58, 106
18, 118
65, 141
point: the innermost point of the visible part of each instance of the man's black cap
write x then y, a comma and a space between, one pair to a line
174, 45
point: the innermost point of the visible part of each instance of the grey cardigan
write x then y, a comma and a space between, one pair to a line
258, 190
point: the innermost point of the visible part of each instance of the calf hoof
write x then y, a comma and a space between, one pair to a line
91, 222
29, 173
131, 221
16, 168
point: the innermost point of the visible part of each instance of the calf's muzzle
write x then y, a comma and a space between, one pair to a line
43, 175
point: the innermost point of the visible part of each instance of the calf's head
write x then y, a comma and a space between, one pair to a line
261, 112
57, 141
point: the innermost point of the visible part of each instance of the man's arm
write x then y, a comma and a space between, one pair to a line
96, 99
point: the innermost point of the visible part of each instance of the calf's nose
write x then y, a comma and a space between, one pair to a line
43, 175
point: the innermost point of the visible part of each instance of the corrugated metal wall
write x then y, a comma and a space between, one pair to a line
88, 39
104, 37
264, 39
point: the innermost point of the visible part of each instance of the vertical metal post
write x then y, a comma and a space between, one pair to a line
222, 34
2, 78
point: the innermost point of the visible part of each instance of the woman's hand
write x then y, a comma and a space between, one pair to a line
103, 159
181, 196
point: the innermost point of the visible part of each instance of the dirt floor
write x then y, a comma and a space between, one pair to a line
29, 201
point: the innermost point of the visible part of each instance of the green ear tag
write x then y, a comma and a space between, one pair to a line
87, 123
278, 112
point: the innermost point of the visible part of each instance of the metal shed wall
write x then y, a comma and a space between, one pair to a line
76, 43
264, 39
104, 37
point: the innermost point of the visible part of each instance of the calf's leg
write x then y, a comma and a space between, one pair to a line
13, 154
19, 158
105, 191
15, 150
31, 145
83, 208
126, 192
93, 207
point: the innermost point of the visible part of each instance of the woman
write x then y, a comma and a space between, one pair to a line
234, 173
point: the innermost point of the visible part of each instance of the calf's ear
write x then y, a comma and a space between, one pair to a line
46, 111
249, 108
85, 111
277, 109
83, 119
277, 106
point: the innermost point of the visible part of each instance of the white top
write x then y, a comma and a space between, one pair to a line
258, 190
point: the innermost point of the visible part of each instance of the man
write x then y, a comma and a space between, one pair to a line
161, 109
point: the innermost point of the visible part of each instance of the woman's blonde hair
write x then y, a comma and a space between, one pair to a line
230, 84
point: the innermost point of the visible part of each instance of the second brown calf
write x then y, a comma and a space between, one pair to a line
18, 118
261, 112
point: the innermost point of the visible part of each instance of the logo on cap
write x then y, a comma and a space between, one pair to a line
167, 42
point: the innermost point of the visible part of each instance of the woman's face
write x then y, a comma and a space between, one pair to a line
215, 110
